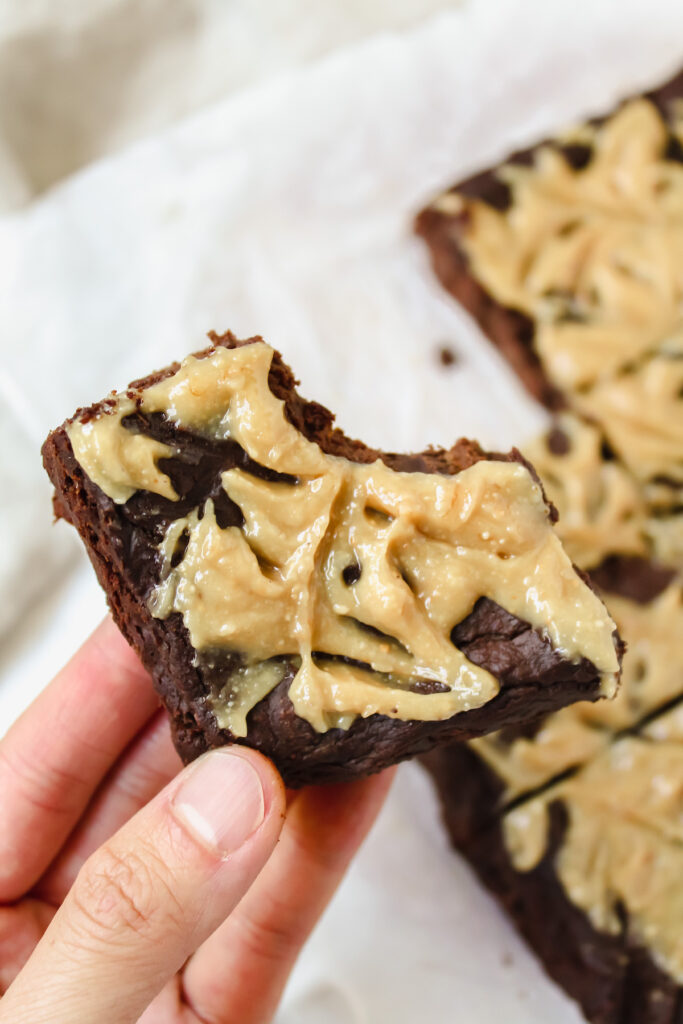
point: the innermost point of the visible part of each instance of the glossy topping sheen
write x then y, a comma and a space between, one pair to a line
354, 575
594, 256
623, 845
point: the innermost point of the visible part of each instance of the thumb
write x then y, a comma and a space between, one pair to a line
153, 893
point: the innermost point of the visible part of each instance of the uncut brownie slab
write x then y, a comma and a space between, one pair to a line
570, 256
574, 821
336, 607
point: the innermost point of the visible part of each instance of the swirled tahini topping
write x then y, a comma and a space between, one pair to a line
622, 849
594, 256
353, 574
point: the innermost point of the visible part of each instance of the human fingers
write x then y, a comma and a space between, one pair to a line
152, 894
149, 763
20, 931
54, 756
239, 973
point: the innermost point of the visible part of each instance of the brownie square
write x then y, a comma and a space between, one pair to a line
568, 255
186, 529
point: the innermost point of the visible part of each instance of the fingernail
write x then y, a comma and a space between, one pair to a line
221, 801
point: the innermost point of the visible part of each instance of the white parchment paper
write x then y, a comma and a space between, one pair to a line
286, 210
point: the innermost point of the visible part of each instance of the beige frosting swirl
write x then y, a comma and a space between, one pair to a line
595, 258
602, 509
423, 548
624, 842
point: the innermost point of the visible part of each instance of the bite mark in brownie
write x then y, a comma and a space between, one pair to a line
139, 543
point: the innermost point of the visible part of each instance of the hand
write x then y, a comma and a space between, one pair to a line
128, 891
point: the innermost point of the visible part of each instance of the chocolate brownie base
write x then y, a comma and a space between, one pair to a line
122, 542
509, 329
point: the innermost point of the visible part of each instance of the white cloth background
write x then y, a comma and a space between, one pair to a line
282, 205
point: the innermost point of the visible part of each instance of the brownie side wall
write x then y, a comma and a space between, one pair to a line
162, 649
511, 331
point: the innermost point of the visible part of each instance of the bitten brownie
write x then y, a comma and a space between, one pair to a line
274, 575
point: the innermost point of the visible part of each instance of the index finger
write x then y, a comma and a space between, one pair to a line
56, 753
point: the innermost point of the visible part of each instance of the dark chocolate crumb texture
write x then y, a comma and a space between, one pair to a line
336, 607
589, 870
